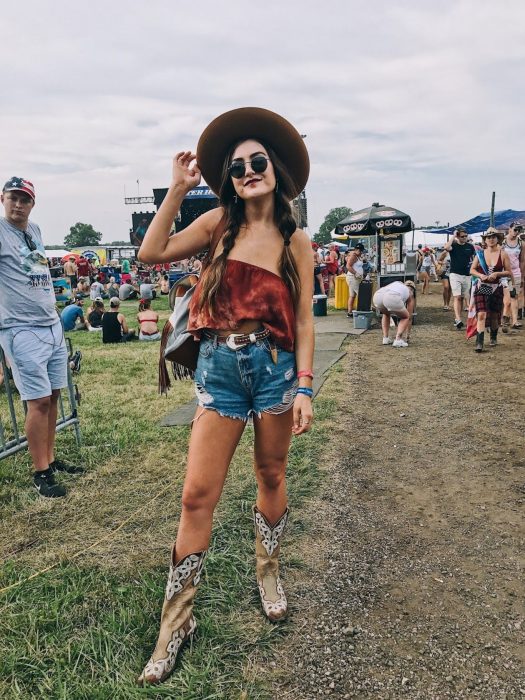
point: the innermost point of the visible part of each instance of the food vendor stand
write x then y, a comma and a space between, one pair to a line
381, 229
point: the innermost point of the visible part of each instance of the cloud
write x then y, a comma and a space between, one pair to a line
419, 105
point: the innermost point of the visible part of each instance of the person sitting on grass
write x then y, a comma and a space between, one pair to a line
148, 320
112, 289
95, 313
165, 285
127, 291
147, 289
73, 316
114, 326
83, 287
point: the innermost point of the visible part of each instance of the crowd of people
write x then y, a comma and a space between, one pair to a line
489, 291
105, 289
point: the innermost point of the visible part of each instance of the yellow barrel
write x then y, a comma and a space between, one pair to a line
341, 292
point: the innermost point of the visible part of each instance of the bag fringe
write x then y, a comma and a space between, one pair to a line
179, 371
164, 377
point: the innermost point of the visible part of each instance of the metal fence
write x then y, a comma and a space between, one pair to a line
12, 437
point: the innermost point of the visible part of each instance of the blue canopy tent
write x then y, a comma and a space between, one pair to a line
481, 223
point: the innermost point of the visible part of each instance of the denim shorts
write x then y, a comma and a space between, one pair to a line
38, 358
240, 383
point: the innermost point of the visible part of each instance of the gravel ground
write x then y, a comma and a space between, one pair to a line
413, 586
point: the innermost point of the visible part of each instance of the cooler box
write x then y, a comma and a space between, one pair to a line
363, 319
319, 304
175, 275
341, 292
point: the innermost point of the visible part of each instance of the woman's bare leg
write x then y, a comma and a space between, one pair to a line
481, 319
385, 324
272, 443
213, 441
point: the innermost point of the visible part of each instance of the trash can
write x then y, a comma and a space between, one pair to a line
319, 304
363, 319
341, 292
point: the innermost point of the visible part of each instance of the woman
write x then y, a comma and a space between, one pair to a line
165, 285
354, 274
443, 272
396, 299
489, 267
95, 313
515, 251
252, 311
332, 267
427, 264
148, 320
318, 276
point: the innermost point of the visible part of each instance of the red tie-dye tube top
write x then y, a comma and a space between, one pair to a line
248, 293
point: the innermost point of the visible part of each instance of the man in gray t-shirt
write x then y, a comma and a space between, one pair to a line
31, 335
127, 291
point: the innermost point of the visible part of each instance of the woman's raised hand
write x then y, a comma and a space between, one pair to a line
184, 174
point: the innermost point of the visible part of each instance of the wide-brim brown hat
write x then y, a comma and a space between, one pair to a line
491, 231
255, 123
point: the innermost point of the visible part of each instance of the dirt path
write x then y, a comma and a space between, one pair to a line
414, 586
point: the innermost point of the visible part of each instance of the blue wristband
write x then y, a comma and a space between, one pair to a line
306, 391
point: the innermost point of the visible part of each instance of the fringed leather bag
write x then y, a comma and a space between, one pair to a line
177, 344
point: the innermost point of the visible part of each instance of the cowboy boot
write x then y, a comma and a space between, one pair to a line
506, 323
177, 622
267, 547
493, 337
480, 338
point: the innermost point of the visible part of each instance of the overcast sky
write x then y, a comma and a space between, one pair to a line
415, 104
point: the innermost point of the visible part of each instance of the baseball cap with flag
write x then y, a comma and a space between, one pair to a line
18, 183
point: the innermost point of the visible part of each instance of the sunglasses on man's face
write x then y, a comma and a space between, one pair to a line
258, 165
29, 242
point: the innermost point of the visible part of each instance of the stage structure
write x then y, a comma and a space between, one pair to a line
198, 201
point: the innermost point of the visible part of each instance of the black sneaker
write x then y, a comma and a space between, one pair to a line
59, 466
458, 325
46, 485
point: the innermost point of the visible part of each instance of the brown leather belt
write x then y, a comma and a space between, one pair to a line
236, 341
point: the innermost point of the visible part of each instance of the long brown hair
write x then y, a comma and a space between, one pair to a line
234, 218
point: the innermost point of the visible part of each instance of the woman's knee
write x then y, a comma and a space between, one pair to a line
271, 473
198, 497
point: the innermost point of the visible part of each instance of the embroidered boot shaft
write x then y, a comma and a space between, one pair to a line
267, 547
177, 622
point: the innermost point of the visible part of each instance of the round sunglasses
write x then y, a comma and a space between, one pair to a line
258, 164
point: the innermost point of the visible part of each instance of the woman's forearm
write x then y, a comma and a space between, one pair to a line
304, 349
158, 233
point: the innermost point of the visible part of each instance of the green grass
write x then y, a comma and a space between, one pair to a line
86, 628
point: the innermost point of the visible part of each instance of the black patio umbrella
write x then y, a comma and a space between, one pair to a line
375, 219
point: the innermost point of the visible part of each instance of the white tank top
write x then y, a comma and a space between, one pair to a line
513, 251
358, 267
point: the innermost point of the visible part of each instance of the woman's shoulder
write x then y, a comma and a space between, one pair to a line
300, 242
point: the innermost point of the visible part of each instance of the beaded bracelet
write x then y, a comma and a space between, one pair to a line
306, 391
305, 373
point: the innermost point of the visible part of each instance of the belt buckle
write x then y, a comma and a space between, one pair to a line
230, 341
